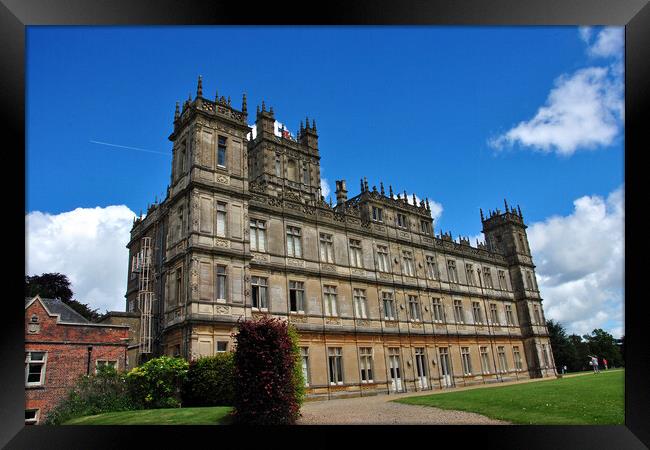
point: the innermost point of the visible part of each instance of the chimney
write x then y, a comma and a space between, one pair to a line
341, 192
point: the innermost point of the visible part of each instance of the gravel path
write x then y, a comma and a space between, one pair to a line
379, 409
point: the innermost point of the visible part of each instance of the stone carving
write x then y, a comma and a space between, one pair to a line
333, 321
223, 179
403, 234
390, 324
222, 243
260, 257
416, 324
363, 323
222, 309
296, 262
384, 276
328, 267
298, 319
359, 272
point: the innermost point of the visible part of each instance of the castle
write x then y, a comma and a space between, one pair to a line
381, 303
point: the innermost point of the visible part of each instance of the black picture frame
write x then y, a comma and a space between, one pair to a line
633, 14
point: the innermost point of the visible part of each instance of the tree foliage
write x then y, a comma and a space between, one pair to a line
265, 368
57, 285
574, 351
157, 383
210, 381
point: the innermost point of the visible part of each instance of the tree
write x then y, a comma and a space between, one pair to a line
603, 345
582, 353
564, 350
57, 285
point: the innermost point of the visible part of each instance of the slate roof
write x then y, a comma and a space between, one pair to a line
56, 306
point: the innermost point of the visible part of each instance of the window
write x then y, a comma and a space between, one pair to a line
355, 253
517, 357
522, 246
467, 362
329, 298
503, 364
458, 311
326, 248
545, 355
294, 247
360, 303
451, 269
529, 281
420, 363
222, 346
425, 227
436, 307
179, 224
31, 416
105, 363
278, 166
502, 280
221, 283
469, 271
258, 293
296, 296
335, 367
407, 264
365, 364
538, 319
494, 317
35, 363
401, 220
305, 173
414, 308
377, 214
304, 357
221, 152
179, 285
382, 258
221, 219
291, 170
389, 305
485, 360
258, 235
487, 277
183, 156
177, 351
510, 320
431, 267
476, 311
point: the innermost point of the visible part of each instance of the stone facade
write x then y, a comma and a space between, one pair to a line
244, 231
60, 346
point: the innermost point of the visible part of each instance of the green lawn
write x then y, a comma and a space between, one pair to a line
216, 415
590, 399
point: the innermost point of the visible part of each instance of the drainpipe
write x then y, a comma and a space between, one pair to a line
90, 350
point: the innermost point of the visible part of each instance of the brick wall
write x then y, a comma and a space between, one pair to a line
67, 354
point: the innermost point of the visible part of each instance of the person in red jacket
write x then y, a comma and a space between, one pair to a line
605, 363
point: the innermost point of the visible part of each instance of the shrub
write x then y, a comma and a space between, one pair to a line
209, 381
265, 391
298, 376
157, 383
93, 394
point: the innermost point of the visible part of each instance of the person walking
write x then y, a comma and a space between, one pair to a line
605, 363
593, 362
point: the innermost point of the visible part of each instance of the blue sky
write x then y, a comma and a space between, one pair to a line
426, 109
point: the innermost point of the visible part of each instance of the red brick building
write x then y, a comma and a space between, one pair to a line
60, 346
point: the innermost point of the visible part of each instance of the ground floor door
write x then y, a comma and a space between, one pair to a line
445, 367
421, 368
395, 372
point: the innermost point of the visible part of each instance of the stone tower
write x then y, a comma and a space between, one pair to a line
505, 233
282, 164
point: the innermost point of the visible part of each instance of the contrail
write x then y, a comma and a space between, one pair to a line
132, 148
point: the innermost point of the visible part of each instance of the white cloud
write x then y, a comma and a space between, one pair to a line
324, 188
89, 246
609, 42
580, 267
277, 127
584, 110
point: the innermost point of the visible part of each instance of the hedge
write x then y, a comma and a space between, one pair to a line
209, 381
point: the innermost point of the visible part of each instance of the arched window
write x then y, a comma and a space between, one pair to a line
291, 170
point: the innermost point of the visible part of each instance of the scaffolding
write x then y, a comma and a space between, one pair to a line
145, 295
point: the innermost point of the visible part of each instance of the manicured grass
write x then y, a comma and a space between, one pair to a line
216, 415
590, 399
